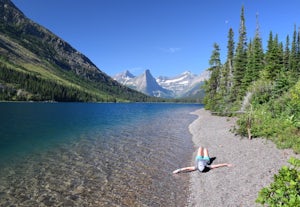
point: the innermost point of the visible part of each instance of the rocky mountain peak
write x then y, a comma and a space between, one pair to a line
147, 72
128, 74
183, 85
187, 72
145, 83
124, 76
148, 78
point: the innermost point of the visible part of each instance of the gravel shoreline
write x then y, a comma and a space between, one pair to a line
255, 162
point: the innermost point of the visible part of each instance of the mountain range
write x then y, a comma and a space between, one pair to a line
181, 86
37, 65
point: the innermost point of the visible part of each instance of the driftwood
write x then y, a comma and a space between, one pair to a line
249, 133
249, 123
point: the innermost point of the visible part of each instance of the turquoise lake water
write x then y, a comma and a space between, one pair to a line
88, 154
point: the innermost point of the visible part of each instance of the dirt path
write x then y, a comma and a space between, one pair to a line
255, 162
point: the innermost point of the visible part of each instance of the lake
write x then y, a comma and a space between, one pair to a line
94, 154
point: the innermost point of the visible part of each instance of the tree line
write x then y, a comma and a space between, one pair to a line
262, 84
247, 63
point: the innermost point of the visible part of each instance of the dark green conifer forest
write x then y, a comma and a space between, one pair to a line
260, 86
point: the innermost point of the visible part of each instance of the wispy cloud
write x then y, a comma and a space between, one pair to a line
170, 49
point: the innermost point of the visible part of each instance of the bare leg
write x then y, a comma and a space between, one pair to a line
205, 151
200, 151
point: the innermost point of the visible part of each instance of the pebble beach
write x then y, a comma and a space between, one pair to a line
255, 163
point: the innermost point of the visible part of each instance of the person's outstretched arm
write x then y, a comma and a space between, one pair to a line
185, 169
220, 165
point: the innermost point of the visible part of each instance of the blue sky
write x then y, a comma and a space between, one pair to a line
166, 36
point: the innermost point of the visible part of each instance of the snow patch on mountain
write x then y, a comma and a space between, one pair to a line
183, 85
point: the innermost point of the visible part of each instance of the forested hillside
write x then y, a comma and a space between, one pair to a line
261, 85
36, 65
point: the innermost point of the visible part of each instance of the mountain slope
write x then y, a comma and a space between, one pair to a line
32, 58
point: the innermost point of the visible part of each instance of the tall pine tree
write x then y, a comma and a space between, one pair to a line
286, 56
274, 58
227, 70
293, 58
240, 61
255, 62
294, 61
213, 85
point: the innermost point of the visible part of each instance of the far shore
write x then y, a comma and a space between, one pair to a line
255, 163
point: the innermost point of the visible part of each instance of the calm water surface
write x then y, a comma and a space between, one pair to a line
73, 154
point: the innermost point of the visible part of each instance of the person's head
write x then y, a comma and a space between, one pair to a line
201, 168
201, 165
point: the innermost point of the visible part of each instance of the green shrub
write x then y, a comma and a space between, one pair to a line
278, 119
285, 190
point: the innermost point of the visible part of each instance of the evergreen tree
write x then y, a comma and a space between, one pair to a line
297, 69
255, 62
268, 58
293, 56
240, 60
227, 71
250, 67
274, 58
258, 54
212, 86
215, 67
286, 56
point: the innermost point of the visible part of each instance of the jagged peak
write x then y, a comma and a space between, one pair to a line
127, 73
147, 75
181, 85
124, 74
187, 72
147, 72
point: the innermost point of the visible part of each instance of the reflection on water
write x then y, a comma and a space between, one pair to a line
129, 164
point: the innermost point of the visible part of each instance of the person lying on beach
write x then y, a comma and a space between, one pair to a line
202, 163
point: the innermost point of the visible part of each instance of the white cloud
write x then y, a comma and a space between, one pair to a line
170, 49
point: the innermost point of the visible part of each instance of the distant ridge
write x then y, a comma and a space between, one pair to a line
35, 64
181, 86
144, 83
